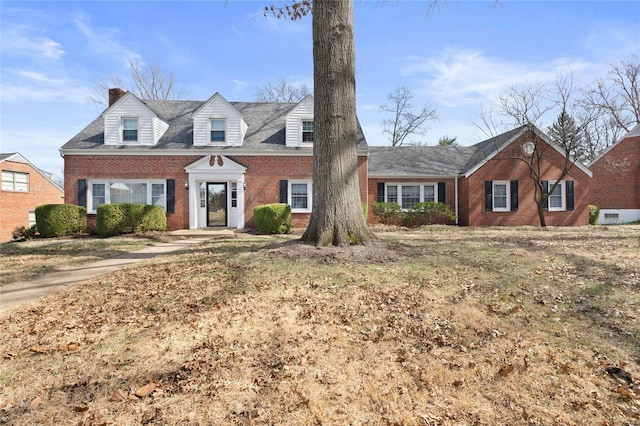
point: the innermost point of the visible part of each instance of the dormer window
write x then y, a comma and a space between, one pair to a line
218, 130
129, 129
307, 131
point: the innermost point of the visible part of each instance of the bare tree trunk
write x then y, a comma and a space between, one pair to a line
337, 217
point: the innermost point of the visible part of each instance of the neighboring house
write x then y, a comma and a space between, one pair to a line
484, 184
24, 187
616, 180
206, 163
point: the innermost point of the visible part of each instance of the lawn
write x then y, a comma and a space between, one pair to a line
441, 326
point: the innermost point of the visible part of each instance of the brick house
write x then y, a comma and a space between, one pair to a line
24, 187
616, 180
207, 163
485, 184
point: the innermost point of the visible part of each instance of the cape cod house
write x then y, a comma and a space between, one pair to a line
616, 180
24, 187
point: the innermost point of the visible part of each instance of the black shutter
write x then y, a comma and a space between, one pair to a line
82, 192
171, 195
380, 196
284, 188
545, 193
441, 193
514, 195
488, 195
570, 196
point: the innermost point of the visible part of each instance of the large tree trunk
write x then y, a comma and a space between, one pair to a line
337, 217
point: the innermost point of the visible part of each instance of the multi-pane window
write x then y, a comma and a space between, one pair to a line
500, 196
556, 198
429, 193
130, 129
127, 192
300, 196
234, 194
218, 130
307, 130
408, 195
392, 194
15, 181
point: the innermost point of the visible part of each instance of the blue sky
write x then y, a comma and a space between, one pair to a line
457, 56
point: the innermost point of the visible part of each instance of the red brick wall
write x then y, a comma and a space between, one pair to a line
616, 177
373, 192
15, 206
262, 178
505, 167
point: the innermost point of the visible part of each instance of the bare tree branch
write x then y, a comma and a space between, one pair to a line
401, 122
282, 91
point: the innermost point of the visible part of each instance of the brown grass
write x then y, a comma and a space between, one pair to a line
442, 326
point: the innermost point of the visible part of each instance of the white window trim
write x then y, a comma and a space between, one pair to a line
309, 184
399, 185
563, 197
13, 181
122, 141
300, 132
107, 193
226, 132
507, 185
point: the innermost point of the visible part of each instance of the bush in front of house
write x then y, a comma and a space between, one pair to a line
116, 219
59, 220
594, 214
22, 233
273, 218
427, 213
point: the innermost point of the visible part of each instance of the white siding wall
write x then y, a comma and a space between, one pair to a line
304, 110
129, 107
159, 127
218, 108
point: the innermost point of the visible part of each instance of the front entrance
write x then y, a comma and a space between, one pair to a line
216, 204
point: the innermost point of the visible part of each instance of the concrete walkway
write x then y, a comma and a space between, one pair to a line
16, 293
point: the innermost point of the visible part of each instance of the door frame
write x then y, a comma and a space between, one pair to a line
226, 204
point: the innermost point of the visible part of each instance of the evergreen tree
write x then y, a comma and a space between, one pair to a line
566, 134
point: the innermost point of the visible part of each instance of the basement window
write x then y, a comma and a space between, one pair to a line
611, 216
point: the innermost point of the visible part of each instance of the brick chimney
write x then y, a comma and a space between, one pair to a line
114, 95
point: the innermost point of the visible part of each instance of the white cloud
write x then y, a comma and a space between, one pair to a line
22, 85
24, 40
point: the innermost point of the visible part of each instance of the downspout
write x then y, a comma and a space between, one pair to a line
456, 197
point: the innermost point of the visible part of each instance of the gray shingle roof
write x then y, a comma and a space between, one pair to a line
265, 120
418, 160
5, 156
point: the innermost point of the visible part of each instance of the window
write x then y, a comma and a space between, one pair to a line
32, 218
15, 181
127, 192
408, 195
234, 194
307, 131
501, 196
129, 129
556, 198
218, 130
611, 216
300, 196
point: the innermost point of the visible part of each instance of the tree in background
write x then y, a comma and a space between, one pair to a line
566, 134
282, 91
400, 121
146, 82
336, 217
448, 141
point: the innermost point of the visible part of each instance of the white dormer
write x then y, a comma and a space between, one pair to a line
299, 124
130, 122
218, 123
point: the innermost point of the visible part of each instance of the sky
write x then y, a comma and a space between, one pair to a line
456, 56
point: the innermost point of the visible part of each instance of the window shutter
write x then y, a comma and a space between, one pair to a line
284, 187
514, 195
488, 195
545, 193
441, 193
570, 196
82, 192
171, 195
380, 196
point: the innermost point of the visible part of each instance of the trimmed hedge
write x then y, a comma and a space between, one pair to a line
273, 218
115, 219
427, 213
59, 220
594, 214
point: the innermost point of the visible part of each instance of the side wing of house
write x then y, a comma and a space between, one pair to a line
24, 187
616, 181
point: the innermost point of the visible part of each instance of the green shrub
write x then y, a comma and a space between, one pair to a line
594, 215
58, 220
427, 213
273, 218
116, 219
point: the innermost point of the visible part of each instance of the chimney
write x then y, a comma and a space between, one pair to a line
114, 95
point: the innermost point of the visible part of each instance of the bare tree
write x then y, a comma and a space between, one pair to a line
336, 217
282, 91
148, 82
401, 122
